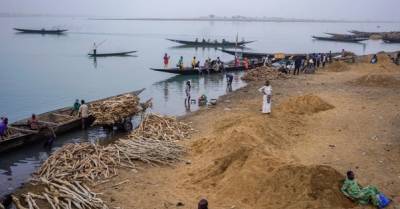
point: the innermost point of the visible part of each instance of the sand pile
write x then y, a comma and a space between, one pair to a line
308, 104
241, 166
377, 80
264, 73
338, 67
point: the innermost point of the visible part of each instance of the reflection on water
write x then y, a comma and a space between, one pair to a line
173, 91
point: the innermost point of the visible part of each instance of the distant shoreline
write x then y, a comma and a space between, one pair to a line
243, 20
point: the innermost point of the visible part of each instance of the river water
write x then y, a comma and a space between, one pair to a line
39, 73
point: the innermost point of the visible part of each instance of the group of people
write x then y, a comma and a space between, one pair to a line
310, 63
82, 110
209, 64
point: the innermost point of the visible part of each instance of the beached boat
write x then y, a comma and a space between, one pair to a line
196, 71
116, 54
205, 43
60, 120
351, 39
250, 55
391, 40
41, 31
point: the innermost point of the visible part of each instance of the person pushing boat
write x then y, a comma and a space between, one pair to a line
94, 49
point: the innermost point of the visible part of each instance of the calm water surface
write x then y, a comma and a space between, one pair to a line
39, 73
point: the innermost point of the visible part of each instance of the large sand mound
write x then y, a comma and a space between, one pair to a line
377, 80
241, 168
338, 67
243, 162
308, 104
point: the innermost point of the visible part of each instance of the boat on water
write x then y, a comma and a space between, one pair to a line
257, 55
204, 43
41, 31
60, 120
202, 70
115, 54
350, 39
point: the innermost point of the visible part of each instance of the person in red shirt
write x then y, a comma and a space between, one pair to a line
246, 63
166, 60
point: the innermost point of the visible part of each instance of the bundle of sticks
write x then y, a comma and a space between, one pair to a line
112, 111
162, 128
263, 73
60, 194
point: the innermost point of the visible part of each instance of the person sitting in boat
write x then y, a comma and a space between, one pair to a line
223, 41
33, 123
203, 41
374, 59
197, 40
75, 107
3, 127
180, 63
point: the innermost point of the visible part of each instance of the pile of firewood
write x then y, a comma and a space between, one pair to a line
162, 128
82, 161
112, 111
264, 73
60, 194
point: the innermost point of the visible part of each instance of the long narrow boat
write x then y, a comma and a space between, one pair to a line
191, 71
41, 31
391, 40
211, 43
59, 120
341, 39
115, 54
257, 55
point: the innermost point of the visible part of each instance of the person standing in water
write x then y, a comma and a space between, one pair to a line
188, 88
266, 90
166, 60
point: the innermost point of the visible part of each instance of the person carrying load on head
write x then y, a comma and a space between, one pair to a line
364, 196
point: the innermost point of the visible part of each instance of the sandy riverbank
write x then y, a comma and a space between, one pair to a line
343, 117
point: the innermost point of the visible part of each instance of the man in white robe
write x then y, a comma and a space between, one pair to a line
267, 95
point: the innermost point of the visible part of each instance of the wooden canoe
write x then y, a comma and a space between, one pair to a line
341, 39
211, 43
199, 71
41, 31
115, 54
60, 120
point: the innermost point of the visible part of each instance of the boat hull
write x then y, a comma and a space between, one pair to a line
26, 136
117, 54
348, 40
191, 71
211, 44
42, 31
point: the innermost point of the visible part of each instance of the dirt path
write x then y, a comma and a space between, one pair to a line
322, 125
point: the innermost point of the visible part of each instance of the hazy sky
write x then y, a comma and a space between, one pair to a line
315, 9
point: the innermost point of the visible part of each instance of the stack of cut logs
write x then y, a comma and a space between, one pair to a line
264, 73
160, 127
62, 173
113, 111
